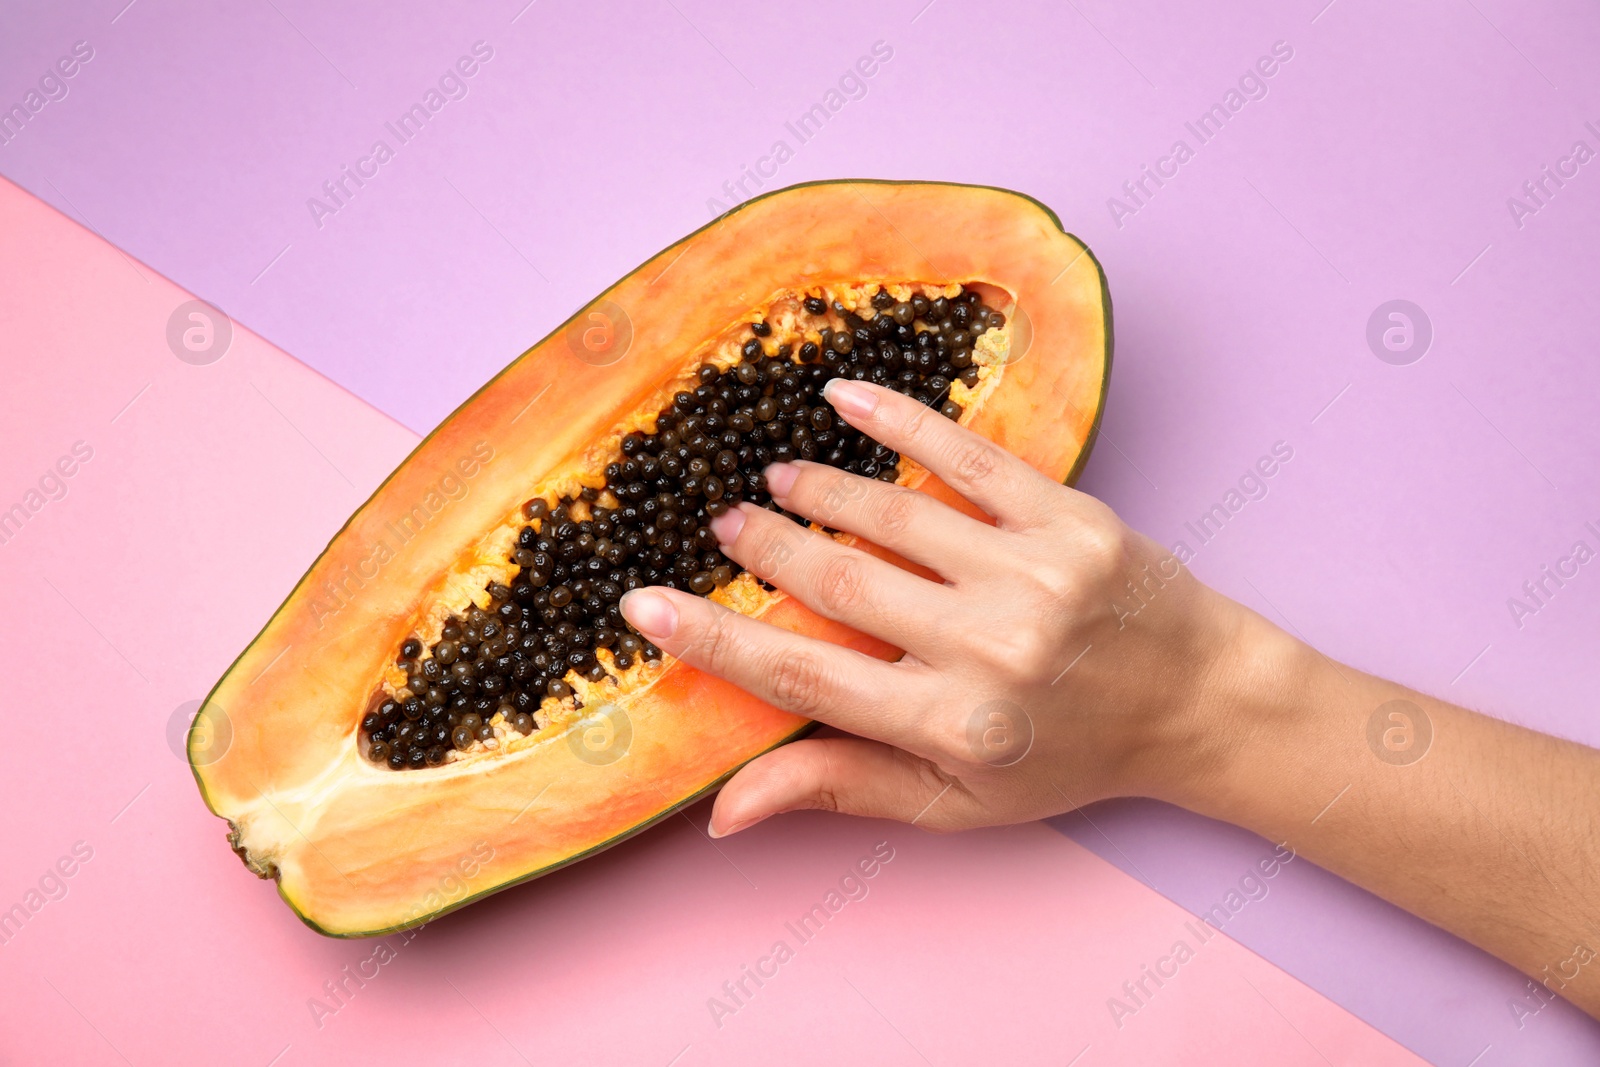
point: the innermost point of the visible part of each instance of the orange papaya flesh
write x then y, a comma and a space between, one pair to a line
282, 746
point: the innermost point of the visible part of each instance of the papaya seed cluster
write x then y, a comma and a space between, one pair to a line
557, 620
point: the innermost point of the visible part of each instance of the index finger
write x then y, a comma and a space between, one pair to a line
1001, 484
802, 675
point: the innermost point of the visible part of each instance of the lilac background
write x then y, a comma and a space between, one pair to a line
1378, 166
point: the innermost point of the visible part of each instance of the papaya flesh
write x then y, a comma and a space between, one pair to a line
283, 747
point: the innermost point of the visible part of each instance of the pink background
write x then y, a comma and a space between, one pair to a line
1378, 166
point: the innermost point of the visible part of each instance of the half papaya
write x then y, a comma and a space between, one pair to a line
449, 703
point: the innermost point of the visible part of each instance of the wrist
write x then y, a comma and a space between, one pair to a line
1253, 720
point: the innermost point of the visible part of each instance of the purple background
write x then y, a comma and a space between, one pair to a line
1378, 166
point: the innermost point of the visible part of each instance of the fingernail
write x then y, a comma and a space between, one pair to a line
780, 478
653, 614
727, 525
711, 827
850, 398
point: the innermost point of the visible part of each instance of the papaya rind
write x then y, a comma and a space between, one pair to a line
196, 741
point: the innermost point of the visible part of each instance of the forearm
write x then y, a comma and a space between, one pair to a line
1483, 828
1101, 660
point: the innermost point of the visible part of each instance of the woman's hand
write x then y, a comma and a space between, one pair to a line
1062, 659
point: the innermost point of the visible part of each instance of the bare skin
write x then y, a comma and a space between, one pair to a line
1035, 681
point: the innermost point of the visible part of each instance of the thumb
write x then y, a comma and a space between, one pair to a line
844, 774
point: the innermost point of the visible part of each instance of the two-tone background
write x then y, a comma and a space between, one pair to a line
1362, 235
